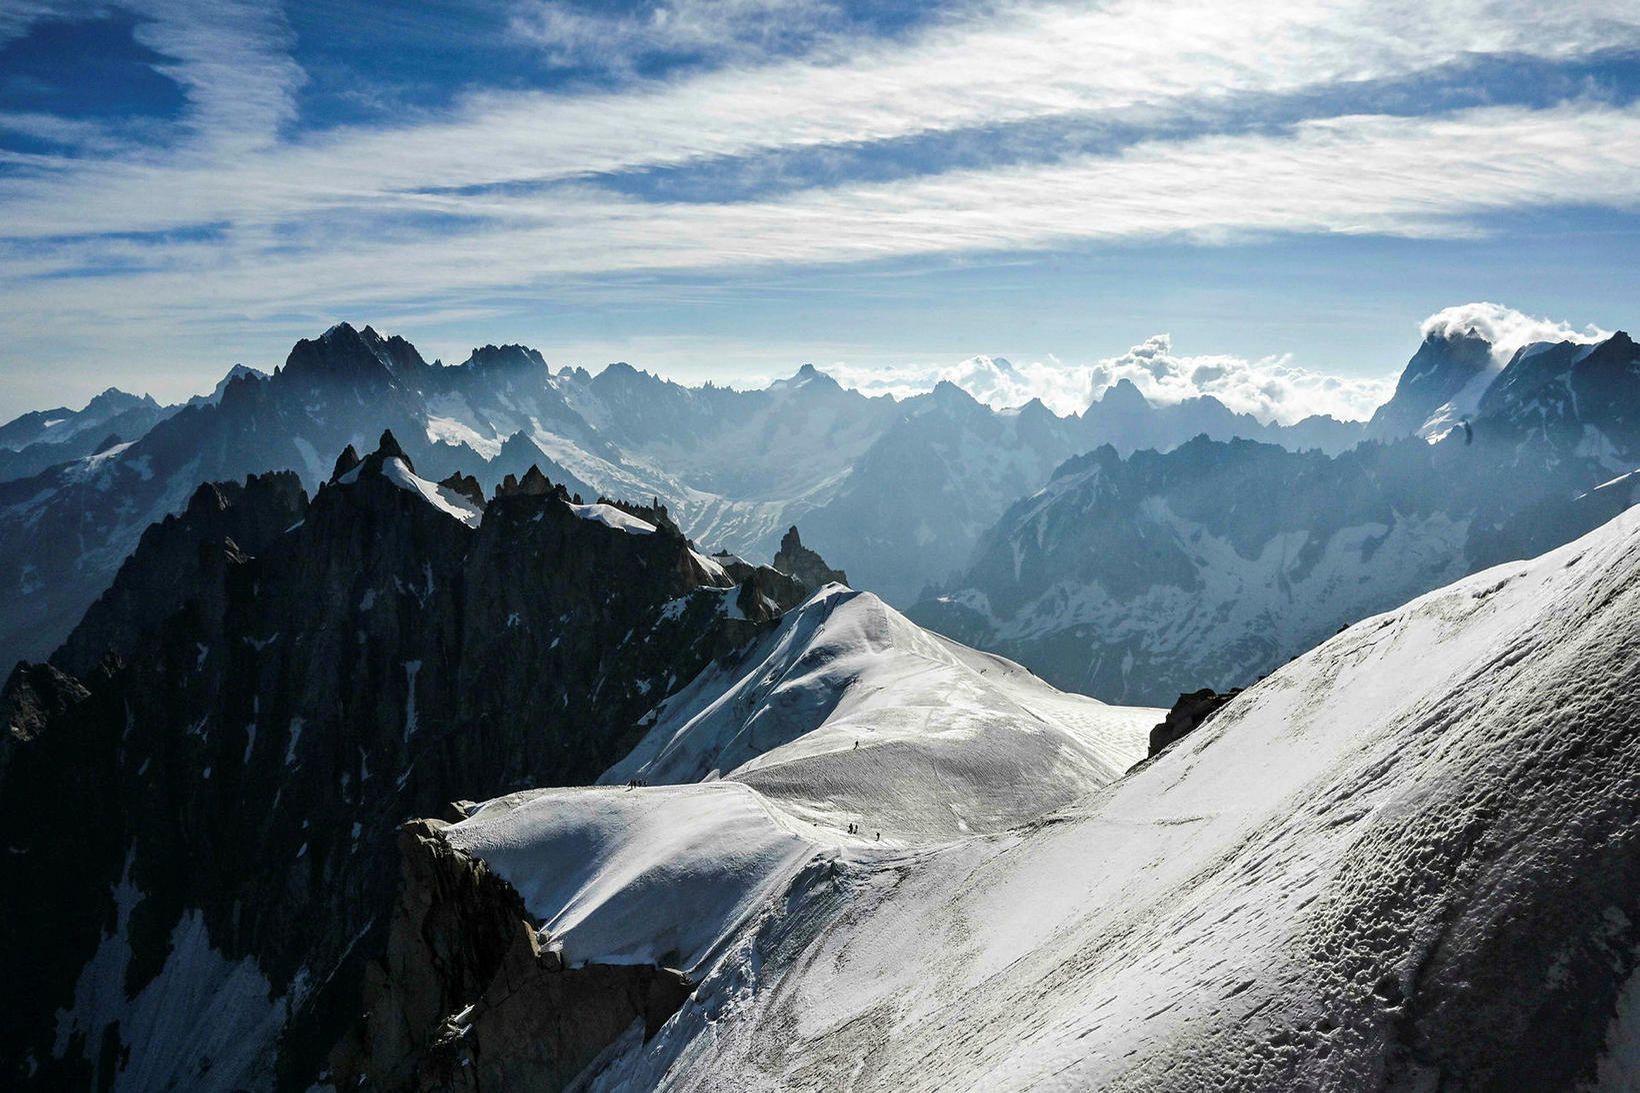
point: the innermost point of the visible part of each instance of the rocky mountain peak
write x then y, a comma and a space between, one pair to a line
388, 448
208, 498
1124, 395
344, 354
112, 401
806, 565
466, 485
808, 377
344, 463
511, 358
1450, 367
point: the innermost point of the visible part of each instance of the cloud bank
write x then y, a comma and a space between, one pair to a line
1271, 388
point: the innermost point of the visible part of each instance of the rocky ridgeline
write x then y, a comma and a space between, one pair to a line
804, 564
233, 735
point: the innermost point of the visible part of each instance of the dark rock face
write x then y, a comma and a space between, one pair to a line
466, 485
1442, 367
468, 998
807, 566
35, 695
226, 744
173, 556
1189, 713
65, 529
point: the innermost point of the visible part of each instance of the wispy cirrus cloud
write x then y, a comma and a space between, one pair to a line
1416, 177
19, 15
232, 60
1023, 62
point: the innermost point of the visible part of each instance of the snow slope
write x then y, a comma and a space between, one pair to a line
848, 712
600, 865
950, 742
1408, 859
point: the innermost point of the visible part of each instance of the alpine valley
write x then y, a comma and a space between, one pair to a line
384, 724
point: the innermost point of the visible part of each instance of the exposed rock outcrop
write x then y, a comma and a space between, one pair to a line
1189, 713
806, 565
466, 485
468, 996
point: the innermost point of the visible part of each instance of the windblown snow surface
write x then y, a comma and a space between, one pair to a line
846, 714
1410, 859
849, 712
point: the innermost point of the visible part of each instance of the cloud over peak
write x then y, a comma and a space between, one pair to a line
1269, 388
1505, 328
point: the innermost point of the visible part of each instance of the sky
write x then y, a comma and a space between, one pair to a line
1267, 201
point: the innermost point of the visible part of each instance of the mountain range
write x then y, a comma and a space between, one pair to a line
441, 766
1214, 562
277, 679
895, 491
691, 823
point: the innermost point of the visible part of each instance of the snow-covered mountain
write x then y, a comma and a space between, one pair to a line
847, 691
225, 746
228, 742
1408, 859
827, 845
1135, 578
44, 438
897, 491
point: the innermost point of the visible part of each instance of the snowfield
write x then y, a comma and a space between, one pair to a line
610, 516
636, 876
849, 713
1409, 859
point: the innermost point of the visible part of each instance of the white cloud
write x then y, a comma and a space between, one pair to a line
231, 60
1418, 177
1271, 389
729, 30
17, 16
316, 225
1506, 328
995, 381
1027, 61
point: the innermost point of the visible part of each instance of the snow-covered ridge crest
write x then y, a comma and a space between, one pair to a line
610, 516
845, 730
845, 672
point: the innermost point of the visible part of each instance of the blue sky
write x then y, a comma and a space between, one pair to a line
729, 188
